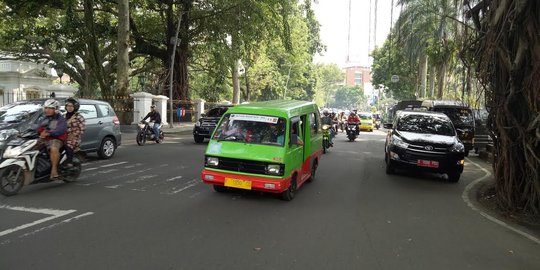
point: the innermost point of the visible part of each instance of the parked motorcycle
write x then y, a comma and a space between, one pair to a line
352, 131
146, 133
26, 162
327, 143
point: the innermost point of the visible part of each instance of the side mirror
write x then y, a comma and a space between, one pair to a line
388, 126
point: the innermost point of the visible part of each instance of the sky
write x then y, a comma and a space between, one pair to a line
333, 15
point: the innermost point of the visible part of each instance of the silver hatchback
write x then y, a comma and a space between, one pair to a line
102, 134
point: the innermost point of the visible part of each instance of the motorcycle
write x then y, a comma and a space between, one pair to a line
27, 162
146, 133
352, 131
377, 124
327, 143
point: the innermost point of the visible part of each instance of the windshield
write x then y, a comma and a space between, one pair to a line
253, 129
365, 116
426, 124
15, 113
460, 117
216, 112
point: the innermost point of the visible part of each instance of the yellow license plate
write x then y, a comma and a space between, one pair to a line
237, 183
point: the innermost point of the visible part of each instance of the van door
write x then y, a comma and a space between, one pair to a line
296, 151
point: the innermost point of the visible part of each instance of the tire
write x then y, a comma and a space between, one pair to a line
313, 171
141, 138
198, 139
288, 195
73, 173
453, 177
324, 147
107, 148
219, 189
10, 184
476, 150
389, 166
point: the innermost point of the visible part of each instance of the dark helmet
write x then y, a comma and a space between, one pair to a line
75, 103
153, 106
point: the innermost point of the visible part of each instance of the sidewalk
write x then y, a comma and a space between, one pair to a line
182, 128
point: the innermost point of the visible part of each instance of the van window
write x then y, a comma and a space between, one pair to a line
105, 110
459, 116
314, 121
88, 111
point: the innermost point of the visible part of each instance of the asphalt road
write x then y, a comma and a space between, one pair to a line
147, 209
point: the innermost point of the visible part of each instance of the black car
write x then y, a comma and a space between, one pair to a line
206, 125
426, 141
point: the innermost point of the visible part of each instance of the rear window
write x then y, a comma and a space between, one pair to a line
88, 111
105, 110
460, 117
426, 124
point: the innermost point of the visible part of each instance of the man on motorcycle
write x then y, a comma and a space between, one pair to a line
326, 119
156, 118
354, 120
53, 130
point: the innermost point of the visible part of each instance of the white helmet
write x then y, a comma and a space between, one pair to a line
51, 103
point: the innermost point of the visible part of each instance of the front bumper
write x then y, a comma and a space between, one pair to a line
406, 158
366, 127
203, 131
257, 182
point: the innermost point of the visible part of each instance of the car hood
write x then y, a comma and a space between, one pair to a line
412, 137
238, 150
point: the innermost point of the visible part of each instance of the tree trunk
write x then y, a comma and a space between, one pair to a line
431, 81
248, 90
122, 76
441, 80
423, 65
236, 83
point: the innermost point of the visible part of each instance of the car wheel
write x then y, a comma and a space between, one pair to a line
289, 194
11, 180
313, 170
107, 148
453, 177
389, 166
219, 189
198, 138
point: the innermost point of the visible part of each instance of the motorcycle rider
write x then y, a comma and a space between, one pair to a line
156, 118
76, 125
354, 120
327, 120
52, 130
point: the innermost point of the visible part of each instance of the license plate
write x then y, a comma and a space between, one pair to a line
428, 163
237, 183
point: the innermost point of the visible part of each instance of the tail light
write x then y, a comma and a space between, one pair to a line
116, 121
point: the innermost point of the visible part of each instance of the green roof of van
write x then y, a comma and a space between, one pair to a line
282, 108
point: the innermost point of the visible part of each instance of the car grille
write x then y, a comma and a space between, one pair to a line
210, 124
436, 149
246, 166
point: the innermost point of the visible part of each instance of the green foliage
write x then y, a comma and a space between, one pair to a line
349, 97
329, 76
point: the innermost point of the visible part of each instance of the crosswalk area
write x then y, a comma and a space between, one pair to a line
166, 179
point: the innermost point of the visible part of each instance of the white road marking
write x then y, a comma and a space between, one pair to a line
181, 188
114, 186
141, 178
466, 199
56, 224
113, 164
54, 213
174, 178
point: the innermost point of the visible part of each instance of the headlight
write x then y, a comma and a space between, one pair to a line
274, 169
325, 127
12, 152
212, 161
458, 148
5, 134
397, 141
198, 123
141, 125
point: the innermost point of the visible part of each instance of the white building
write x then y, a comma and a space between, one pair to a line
20, 80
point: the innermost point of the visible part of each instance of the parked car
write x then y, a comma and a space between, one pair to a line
102, 134
424, 141
481, 132
206, 125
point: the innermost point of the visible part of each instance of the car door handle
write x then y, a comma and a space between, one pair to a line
101, 123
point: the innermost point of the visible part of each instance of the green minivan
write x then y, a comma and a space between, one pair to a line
272, 146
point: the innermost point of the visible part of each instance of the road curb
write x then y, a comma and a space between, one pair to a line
472, 187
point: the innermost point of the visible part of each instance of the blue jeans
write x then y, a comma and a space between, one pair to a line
155, 128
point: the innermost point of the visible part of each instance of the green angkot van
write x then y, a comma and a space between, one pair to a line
272, 146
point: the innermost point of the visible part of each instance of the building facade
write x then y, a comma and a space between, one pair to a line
357, 75
20, 80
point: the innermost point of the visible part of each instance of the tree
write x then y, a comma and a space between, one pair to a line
349, 97
506, 47
329, 76
123, 49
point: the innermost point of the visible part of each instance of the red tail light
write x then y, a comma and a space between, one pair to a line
116, 121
